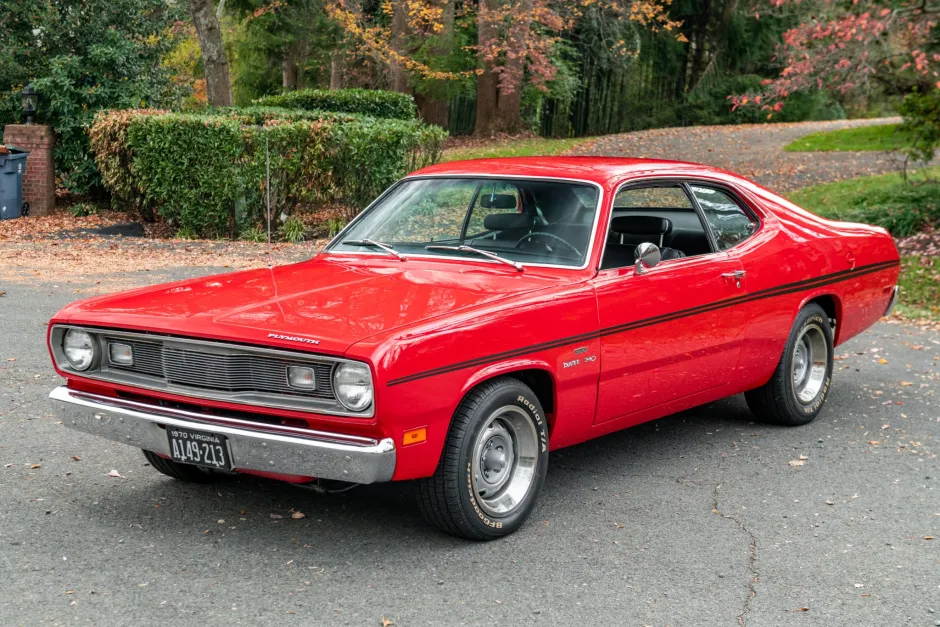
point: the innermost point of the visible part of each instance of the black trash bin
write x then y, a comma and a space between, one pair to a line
12, 169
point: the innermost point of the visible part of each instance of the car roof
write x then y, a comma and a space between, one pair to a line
599, 170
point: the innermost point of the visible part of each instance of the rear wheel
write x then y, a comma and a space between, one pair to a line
493, 464
798, 388
183, 472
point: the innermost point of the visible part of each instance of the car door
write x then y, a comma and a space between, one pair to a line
666, 333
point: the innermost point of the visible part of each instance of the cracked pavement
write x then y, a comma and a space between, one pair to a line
695, 519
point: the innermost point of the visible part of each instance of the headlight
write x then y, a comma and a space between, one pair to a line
79, 348
352, 384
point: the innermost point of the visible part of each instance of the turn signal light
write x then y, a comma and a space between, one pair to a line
414, 436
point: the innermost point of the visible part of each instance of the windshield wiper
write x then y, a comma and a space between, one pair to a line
470, 249
374, 244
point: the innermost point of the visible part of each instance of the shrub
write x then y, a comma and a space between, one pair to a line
922, 123
372, 102
205, 174
189, 168
83, 57
293, 230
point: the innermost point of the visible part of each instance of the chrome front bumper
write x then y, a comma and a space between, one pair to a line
893, 301
252, 446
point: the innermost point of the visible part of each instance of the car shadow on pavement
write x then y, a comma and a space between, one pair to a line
260, 511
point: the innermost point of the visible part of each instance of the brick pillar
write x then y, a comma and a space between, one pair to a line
39, 180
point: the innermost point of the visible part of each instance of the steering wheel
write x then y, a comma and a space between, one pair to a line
549, 235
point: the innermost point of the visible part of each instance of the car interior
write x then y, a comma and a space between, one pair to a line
661, 215
538, 216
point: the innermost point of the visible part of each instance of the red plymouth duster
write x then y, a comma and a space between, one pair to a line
474, 317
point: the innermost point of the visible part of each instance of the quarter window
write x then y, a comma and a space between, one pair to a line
730, 223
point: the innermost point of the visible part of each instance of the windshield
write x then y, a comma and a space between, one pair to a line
523, 220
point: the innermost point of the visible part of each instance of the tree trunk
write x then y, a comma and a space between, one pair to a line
399, 74
337, 69
432, 108
499, 106
288, 72
218, 81
700, 41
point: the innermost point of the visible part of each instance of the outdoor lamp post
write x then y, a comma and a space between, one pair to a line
29, 97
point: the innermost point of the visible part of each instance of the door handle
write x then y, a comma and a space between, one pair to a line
737, 274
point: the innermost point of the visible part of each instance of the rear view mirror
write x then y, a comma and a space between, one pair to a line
498, 201
647, 256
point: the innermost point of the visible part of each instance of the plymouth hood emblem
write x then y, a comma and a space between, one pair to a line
278, 336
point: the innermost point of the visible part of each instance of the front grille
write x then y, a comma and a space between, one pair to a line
223, 372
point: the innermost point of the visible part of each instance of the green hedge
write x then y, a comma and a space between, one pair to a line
372, 102
205, 174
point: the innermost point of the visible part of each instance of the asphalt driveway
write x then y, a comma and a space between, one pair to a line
701, 518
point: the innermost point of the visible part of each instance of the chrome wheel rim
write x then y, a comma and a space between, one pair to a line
503, 461
809, 364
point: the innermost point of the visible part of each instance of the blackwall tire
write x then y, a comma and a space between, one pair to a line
493, 464
184, 472
800, 384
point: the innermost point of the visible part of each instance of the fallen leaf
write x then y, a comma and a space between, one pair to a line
874, 442
905, 384
796, 463
35, 466
76, 458
115, 473
386, 622
928, 537
298, 515
69, 592
12, 359
804, 457
882, 361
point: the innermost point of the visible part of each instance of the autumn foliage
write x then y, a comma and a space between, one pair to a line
855, 47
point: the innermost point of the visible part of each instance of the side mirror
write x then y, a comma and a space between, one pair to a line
647, 256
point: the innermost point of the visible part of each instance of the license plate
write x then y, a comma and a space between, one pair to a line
198, 448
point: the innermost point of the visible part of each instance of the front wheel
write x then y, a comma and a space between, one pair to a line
493, 464
797, 390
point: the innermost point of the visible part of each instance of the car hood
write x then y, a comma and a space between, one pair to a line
323, 305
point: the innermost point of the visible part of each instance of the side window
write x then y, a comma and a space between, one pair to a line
661, 215
494, 197
730, 223
653, 198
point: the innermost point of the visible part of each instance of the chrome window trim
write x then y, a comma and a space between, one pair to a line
268, 400
523, 177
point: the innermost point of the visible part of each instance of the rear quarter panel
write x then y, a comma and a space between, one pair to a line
798, 257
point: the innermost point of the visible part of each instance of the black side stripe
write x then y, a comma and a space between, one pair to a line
789, 288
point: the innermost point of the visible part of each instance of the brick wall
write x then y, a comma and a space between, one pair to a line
39, 181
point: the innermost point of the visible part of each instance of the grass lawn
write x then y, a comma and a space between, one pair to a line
880, 137
535, 146
903, 209
886, 200
920, 287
